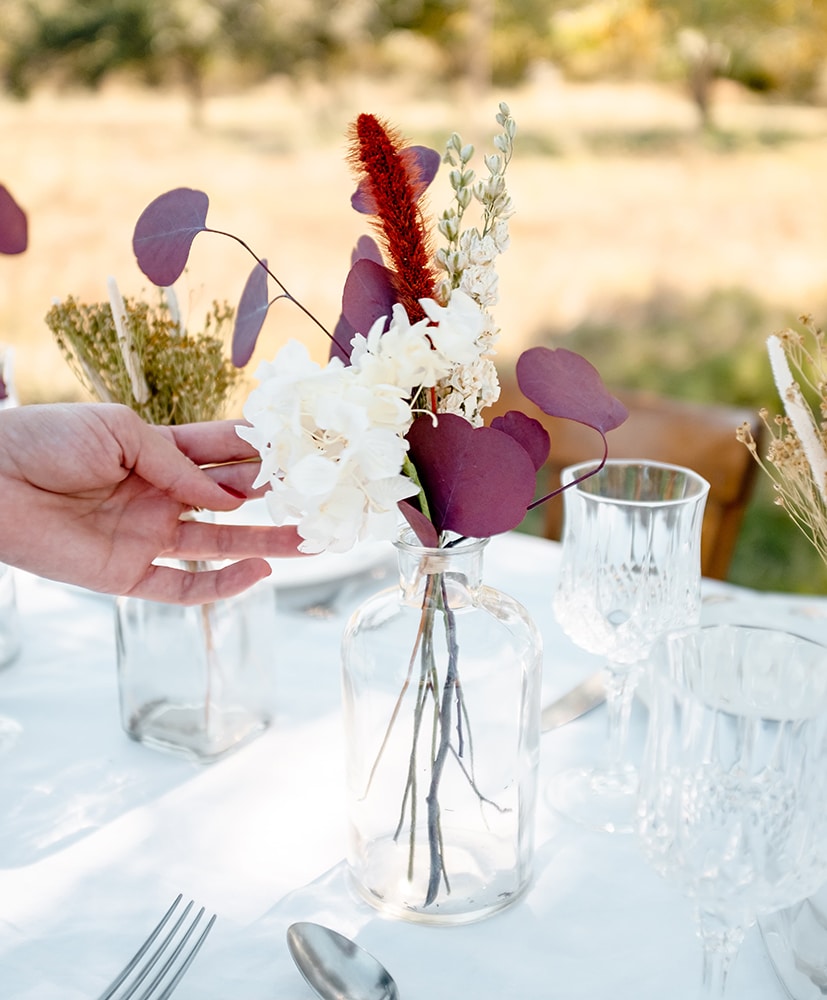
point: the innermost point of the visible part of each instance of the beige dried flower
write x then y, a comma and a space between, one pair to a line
796, 457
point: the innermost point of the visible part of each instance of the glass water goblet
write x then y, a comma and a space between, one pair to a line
733, 784
630, 570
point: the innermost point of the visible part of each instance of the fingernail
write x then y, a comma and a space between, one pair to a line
233, 491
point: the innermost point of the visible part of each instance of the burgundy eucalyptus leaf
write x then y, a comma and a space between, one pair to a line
252, 311
478, 480
528, 432
565, 384
366, 249
340, 346
14, 226
421, 164
165, 231
423, 528
368, 294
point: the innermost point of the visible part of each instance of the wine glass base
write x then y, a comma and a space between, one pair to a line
596, 799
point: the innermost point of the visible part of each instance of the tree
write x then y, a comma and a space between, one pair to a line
715, 38
81, 41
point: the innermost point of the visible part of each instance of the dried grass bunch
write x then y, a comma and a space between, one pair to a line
131, 352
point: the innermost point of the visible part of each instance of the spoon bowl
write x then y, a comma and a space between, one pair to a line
335, 967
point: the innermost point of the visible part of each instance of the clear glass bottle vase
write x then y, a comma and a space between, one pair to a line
196, 681
441, 683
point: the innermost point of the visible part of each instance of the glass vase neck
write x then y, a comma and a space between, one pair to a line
453, 570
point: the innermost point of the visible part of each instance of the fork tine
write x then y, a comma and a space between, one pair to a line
139, 954
176, 979
140, 974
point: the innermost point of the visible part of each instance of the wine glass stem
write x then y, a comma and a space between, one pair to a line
721, 942
621, 680
716, 969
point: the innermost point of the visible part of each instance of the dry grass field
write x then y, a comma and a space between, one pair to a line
606, 216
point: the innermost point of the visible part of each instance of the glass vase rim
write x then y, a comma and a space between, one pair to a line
572, 472
407, 541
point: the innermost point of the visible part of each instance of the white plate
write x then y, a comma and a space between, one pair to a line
305, 571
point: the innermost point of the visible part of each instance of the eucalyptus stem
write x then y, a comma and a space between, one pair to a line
446, 705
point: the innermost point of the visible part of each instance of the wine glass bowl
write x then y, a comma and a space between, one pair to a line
631, 564
630, 570
733, 784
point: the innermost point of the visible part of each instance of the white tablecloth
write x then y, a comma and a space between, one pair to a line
99, 833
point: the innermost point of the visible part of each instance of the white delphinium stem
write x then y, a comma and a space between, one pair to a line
171, 300
799, 413
140, 390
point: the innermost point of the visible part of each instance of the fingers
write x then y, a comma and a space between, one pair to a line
176, 586
239, 477
200, 540
156, 458
212, 443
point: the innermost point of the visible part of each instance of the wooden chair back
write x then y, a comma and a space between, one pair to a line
698, 436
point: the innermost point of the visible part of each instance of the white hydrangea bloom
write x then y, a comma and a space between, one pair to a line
332, 438
332, 449
403, 356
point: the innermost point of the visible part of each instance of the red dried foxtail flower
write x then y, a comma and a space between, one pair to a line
390, 179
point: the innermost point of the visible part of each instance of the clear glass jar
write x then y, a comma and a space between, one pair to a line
9, 617
196, 681
441, 682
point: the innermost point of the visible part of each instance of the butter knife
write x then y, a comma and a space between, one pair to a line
581, 699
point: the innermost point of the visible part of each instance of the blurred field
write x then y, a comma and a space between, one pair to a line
621, 204
617, 200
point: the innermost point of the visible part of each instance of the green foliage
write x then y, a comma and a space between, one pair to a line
85, 40
710, 350
707, 349
770, 45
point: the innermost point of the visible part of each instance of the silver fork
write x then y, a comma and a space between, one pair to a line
174, 949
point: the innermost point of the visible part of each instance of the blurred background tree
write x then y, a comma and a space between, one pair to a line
194, 43
772, 46
766, 45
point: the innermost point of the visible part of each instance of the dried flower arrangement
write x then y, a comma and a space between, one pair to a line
392, 423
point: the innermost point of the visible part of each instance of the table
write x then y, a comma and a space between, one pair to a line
100, 833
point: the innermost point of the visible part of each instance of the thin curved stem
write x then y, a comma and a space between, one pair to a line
284, 292
580, 479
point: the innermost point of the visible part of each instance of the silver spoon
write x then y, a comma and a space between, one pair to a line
335, 967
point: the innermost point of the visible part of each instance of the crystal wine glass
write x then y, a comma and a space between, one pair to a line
733, 784
630, 570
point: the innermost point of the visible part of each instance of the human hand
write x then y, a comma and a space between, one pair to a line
90, 495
